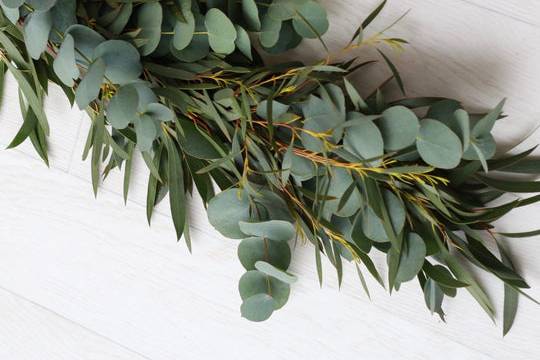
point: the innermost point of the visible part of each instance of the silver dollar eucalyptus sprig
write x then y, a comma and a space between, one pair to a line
296, 150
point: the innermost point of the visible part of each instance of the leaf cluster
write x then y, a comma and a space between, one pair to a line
296, 149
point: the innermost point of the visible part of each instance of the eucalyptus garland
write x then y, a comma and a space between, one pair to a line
298, 154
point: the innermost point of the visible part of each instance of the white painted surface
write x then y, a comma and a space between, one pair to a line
87, 279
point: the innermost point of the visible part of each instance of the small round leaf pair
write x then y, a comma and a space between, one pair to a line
261, 295
277, 230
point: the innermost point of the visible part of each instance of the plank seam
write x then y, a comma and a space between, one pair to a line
91, 331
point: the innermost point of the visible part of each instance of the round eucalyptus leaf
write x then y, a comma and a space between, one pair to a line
122, 61
119, 23
183, 31
302, 169
146, 132
288, 39
278, 230
226, 210
86, 40
64, 64
340, 182
443, 111
399, 127
88, 89
413, 253
485, 144
251, 15
37, 27
41, 5
274, 272
373, 226
145, 94
12, 14
278, 109
63, 16
122, 109
149, 20
274, 205
320, 121
310, 20
364, 140
251, 250
438, 145
221, 31
258, 307
243, 42
12, 4
159, 112
462, 127
335, 98
284, 9
255, 282
199, 46
270, 31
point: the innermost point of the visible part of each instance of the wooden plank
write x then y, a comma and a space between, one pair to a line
526, 11
64, 124
98, 263
29, 332
457, 50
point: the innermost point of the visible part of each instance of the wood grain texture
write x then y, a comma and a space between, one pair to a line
96, 262
524, 11
29, 332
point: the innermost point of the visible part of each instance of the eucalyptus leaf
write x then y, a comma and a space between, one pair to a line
159, 112
372, 224
255, 282
41, 5
12, 14
364, 140
270, 31
399, 127
438, 145
88, 89
274, 229
243, 42
146, 131
64, 64
183, 31
411, 259
86, 40
274, 272
310, 20
227, 209
122, 61
122, 109
221, 31
12, 4
37, 27
256, 249
251, 14
149, 19
258, 307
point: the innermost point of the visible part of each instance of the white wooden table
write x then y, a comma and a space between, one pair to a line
88, 279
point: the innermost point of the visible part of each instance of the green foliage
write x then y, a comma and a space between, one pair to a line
296, 150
